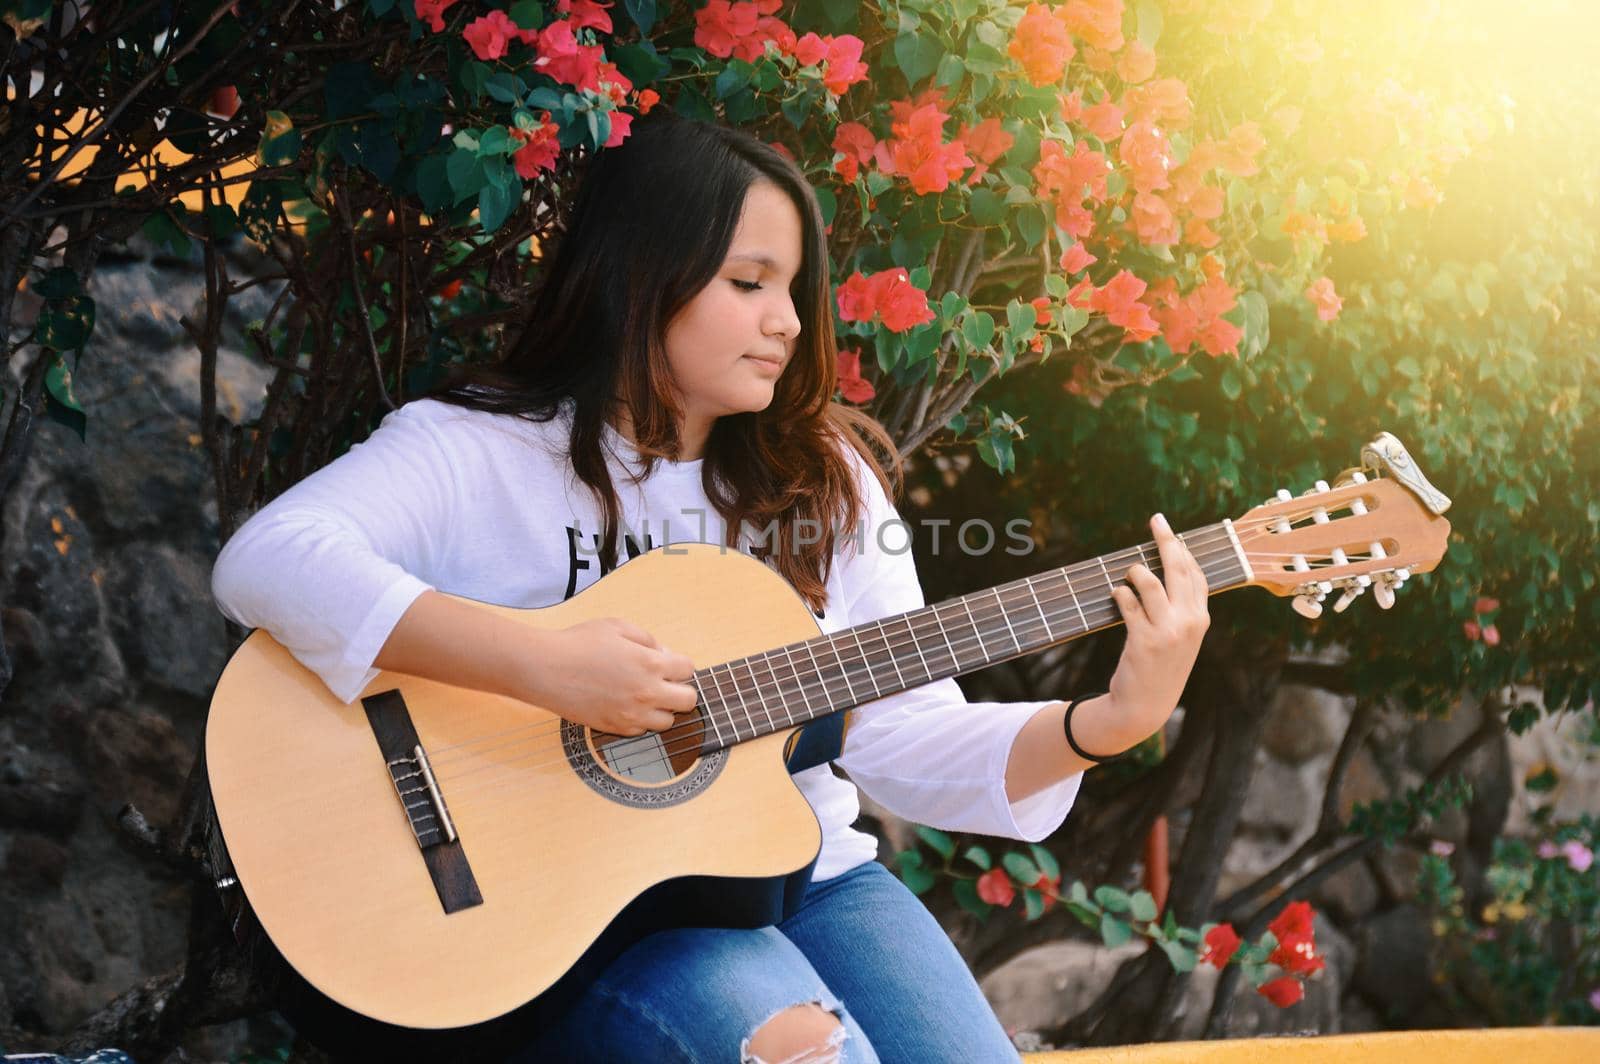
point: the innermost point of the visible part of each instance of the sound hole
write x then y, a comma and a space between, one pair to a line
654, 757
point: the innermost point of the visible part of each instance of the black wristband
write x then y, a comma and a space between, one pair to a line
1066, 726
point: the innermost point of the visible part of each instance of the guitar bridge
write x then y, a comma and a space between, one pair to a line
427, 815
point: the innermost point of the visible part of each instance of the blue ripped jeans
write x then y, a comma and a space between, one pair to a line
861, 945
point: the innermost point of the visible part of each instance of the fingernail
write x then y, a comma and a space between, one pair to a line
1163, 521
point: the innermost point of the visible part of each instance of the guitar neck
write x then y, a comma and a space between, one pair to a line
790, 685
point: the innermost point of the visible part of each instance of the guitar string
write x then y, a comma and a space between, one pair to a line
1013, 588
660, 753
849, 673
1049, 597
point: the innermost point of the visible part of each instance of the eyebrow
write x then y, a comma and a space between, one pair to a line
755, 256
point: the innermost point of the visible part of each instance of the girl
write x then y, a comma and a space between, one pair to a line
675, 383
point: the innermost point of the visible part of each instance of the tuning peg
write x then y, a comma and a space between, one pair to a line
1308, 607
1351, 593
1383, 593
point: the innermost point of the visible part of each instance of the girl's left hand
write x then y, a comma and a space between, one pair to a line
1167, 620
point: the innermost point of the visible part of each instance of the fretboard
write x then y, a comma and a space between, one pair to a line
790, 685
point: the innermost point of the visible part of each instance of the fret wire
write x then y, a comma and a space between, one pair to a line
777, 689
884, 635
944, 633
1067, 582
709, 713
916, 642
1003, 616
844, 673
743, 705
826, 694
877, 692
799, 685
1040, 607
976, 630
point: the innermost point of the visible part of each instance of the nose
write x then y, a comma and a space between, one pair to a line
783, 320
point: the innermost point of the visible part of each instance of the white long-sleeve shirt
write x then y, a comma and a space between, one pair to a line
486, 507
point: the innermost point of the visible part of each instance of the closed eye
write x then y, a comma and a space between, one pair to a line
748, 286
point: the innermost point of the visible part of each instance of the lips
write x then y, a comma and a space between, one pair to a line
765, 360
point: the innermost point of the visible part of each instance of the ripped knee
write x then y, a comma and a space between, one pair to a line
800, 1034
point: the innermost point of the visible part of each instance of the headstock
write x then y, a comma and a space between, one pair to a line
1363, 532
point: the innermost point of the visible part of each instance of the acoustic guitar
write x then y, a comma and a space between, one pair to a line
433, 858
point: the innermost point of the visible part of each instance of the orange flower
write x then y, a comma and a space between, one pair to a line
1163, 102
1347, 232
1042, 44
857, 143
1238, 153
1067, 179
1104, 120
1041, 310
986, 142
1137, 63
1326, 299
1098, 22
648, 98
1076, 259
1147, 155
1119, 302
1153, 221
889, 294
1071, 106
540, 148
1201, 235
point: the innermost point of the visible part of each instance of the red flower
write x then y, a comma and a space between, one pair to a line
648, 98
854, 387
1491, 636
1297, 955
1327, 301
451, 290
994, 887
721, 25
432, 12
539, 147
889, 293
1104, 120
856, 142
986, 142
1221, 944
845, 67
1041, 310
567, 61
224, 101
586, 13
1486, 605
1282, 991
1472, 630
490, 35
1295, 921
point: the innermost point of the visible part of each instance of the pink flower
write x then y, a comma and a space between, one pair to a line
1327, 301
1440, 848
1547, 850
1594, 999
1491, 635
1579, 856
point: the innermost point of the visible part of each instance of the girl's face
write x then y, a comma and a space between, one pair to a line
729, 345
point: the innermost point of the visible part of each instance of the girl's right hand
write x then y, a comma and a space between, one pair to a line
611, 675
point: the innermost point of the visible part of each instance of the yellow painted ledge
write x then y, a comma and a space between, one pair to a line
1498, 1045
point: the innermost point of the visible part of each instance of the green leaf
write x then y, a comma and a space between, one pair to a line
58, 283
1032, 904
61, 406
1142, 906
987, 206
979, 856
1149, 23
505, 87
1111, 898
937, 840
348, 89
1232, 382
496, 141
643, 13
966, 894
221, 220
1031, 224
1181, 956
1114, 932
917, 54
1046, 860
65, 324
1020, 318
978, 329
433, 183
951, 71
499, 195
639, 62
465, 173
1020, 868
529, 14
691, 103
735, 76
280, 141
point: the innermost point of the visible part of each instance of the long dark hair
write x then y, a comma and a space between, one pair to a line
650, 228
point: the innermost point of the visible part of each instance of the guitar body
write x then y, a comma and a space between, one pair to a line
560, 847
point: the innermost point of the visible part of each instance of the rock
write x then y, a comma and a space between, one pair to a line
137, 756
168, 628
1281, 799
1349, 894
1047, 985
35, 863
1392, 968
1304, 722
